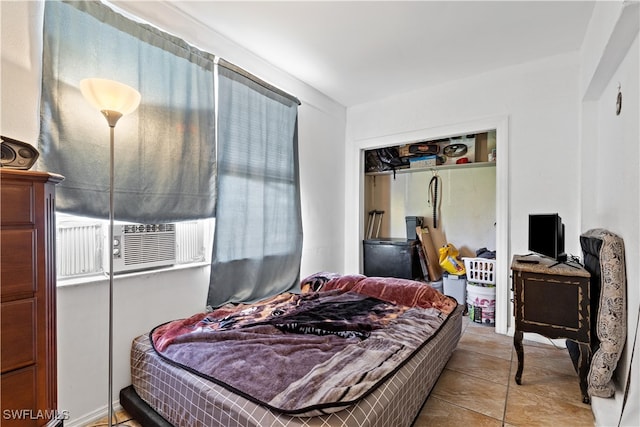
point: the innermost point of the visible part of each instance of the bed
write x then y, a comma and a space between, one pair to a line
348, 350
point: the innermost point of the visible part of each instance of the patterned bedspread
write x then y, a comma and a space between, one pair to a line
304, 354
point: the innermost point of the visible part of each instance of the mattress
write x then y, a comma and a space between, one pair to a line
185, 399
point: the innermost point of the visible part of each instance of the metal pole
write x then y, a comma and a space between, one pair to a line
111, 169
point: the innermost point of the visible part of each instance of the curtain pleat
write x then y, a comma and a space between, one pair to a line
165, 164
258, 236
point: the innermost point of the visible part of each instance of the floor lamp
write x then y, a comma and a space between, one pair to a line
113, 100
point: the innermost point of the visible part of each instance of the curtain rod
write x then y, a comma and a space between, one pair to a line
104, 13
228, 65
150, 34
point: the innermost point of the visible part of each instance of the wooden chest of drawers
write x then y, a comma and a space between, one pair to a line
27, 298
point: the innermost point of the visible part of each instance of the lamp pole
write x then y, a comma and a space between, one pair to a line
113, 100
112, 129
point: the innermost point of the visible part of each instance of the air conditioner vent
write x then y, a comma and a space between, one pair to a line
79, 249
144, 246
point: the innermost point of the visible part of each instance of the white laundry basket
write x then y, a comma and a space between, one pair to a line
480, 270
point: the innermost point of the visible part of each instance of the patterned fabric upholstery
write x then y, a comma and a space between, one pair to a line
604, 259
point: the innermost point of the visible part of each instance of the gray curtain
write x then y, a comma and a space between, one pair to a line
164, 152
258, 233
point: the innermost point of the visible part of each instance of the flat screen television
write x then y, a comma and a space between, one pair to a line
546, 236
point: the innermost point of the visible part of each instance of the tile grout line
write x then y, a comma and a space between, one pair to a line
466, 409
512, 360
469, 330
506, 398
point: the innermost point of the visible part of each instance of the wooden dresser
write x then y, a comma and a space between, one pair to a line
28, 298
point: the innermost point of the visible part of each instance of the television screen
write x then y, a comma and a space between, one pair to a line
546, 235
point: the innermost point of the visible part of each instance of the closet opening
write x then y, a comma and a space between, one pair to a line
454, 183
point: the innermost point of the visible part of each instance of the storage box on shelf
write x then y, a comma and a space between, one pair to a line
422, 162
449, 153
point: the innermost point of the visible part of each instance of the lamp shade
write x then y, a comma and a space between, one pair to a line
109, 95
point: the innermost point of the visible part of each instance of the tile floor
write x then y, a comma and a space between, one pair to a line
477, 387
120, 418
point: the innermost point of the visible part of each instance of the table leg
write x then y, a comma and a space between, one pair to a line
517, 344
583, 371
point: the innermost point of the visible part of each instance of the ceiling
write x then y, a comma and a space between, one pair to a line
359, 51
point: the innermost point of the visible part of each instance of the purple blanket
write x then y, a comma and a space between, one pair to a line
300, 354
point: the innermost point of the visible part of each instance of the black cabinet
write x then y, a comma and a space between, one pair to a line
552, 300
392, 258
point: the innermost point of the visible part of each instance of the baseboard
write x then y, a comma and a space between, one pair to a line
91, 417
607, 411
559, 343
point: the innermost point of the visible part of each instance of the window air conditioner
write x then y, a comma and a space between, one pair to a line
143, 246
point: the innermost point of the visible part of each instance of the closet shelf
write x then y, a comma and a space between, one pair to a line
435, 168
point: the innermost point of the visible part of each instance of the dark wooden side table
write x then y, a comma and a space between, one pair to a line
552, 300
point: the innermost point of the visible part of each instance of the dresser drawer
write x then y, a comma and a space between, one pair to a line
19, 400
20, 209
18, 263
18, 337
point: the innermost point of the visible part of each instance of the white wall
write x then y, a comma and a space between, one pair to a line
143, 301
541, 101
610, 156
21, 50
538, 161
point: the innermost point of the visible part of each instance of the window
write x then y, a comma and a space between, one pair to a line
258, 242
165, 157
82, 245
165, 151
165, 165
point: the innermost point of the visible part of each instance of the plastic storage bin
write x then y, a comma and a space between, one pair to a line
413, 222
455, 286
480, 270
437, 285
